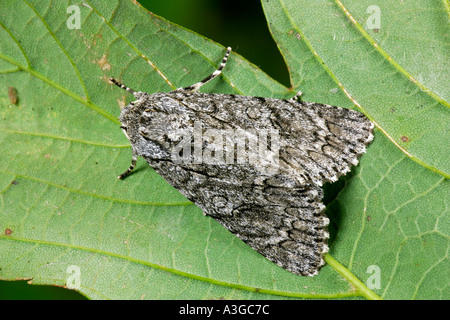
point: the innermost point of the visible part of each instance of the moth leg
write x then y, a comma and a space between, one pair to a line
196, 86
133, 164
296, 97
117, 83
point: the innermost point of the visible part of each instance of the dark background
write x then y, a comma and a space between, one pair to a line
235, 23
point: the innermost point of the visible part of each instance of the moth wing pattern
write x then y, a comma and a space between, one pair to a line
323, 142
318, 142
286, 225
278, 213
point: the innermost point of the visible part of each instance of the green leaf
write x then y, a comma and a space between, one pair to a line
62, 207
397, 74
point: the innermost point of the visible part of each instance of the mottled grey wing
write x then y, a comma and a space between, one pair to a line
322, 142
280, 215
286, 225
319, 143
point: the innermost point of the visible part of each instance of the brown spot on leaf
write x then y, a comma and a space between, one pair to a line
103, 63
97, 37
405, 138
12, 95
8, 232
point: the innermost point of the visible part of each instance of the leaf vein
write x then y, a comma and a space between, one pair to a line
394, 63
62, 49
93, 195
190, 276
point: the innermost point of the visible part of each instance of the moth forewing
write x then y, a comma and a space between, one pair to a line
256, 165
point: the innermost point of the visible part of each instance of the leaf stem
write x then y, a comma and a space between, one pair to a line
360, 287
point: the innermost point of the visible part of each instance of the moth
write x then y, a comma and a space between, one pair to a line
271, 198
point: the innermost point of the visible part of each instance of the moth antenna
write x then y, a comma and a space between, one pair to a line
196, 86
273, 206
127, 172
117, 83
